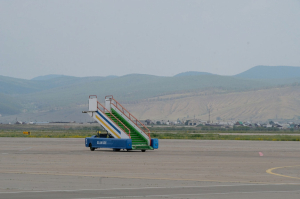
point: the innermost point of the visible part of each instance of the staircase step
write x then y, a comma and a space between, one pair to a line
142, 147
135, 138
138, 141
138, 138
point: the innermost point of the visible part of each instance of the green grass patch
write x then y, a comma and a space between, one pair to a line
213, 130
48, 134
214, 136
82, 133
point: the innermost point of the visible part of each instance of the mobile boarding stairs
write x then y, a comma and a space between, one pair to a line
124, 130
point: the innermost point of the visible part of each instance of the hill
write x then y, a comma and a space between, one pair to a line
271, 72
47, 77
66, 94
258, 105
255, 105
134, 88
9, 85
192, 73
9, 105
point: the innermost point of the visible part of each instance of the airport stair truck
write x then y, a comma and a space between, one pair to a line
124, 130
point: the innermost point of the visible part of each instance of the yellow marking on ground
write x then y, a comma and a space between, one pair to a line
107, 127
269, 171
142, 178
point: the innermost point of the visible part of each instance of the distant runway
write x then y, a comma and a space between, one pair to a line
64, 168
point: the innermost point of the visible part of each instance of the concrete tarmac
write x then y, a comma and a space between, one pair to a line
225, 191
65, 168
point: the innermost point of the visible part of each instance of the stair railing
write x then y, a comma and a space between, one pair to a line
139, 124
104, 110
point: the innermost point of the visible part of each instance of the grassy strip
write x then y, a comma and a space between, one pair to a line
205, 129
283, 131
48, 134
212, 136
224, 137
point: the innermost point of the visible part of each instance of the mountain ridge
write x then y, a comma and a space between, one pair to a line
47, 77
192, 73
256, 72
67, 92
270, 72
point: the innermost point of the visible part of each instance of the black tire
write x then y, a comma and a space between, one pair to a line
116, 149
143, 150
92, 148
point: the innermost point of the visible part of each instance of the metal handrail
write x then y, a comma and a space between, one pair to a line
129, 116
107, 96
92, 95
98, 103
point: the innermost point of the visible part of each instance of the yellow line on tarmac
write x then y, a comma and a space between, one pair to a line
269, 171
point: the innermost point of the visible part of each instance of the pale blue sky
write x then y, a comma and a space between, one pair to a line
164, 37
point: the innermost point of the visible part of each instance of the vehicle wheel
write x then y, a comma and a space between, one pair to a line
116, 149
92, 148
143, 150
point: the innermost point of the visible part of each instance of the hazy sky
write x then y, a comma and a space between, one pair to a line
164, 37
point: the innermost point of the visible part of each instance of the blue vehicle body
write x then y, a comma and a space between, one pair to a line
154, 143
112, 143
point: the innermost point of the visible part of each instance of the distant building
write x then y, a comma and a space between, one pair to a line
239, 123
257, 125
146, 122
193, 122
143, 122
